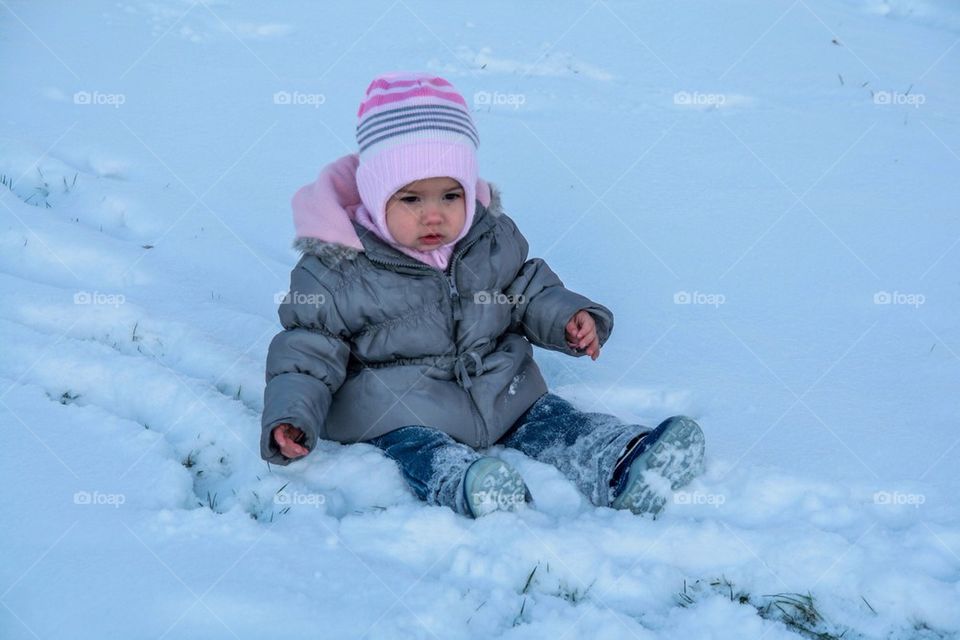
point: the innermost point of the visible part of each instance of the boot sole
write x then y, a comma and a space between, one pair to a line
674, 459
492, 485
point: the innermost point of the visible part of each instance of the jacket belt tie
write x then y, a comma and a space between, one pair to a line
462, 370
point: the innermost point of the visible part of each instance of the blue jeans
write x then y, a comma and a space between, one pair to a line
583, 446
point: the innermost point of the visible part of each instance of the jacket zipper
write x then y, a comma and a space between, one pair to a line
483, 430
456, 315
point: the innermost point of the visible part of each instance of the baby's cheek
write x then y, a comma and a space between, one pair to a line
399, 227
459, 217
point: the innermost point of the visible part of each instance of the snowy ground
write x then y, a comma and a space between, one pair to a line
765, 193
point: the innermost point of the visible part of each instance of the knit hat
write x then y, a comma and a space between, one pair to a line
412, 126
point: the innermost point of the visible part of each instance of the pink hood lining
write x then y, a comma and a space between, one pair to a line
326, 208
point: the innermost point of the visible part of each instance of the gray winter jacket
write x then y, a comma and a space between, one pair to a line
374, 340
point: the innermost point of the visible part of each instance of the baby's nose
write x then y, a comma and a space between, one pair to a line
432, 213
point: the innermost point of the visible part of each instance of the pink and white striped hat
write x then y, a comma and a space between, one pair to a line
414, 126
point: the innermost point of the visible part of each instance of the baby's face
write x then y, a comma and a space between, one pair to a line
427, 214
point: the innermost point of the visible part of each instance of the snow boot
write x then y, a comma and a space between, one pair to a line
656, 463
490, 484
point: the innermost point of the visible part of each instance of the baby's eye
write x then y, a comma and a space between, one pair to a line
409, 199
452, 196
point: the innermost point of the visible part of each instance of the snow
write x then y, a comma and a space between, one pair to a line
764, 193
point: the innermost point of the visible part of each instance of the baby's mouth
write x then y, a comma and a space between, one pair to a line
433, 239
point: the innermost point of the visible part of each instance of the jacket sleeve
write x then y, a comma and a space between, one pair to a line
544, 306
306, 364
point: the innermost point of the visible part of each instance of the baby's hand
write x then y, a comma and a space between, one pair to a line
286, 437
582, 334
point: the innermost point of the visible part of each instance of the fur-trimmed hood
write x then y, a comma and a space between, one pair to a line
325, 211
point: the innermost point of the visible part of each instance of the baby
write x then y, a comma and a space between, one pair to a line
410, 322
